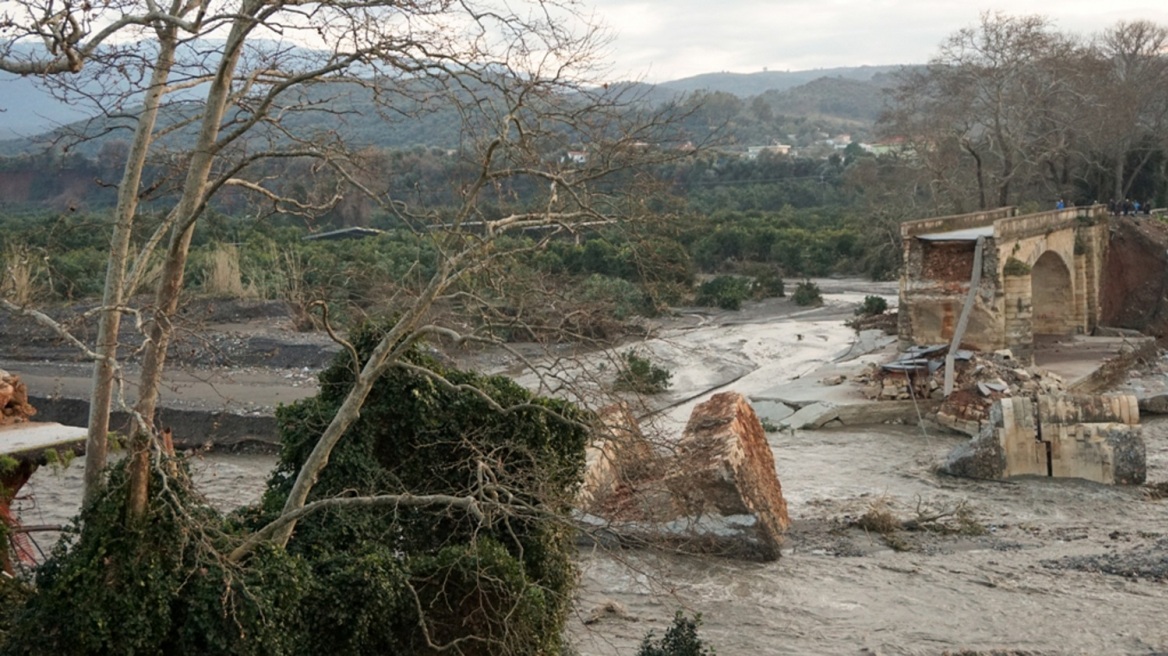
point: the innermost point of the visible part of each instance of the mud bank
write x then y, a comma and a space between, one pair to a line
194, 429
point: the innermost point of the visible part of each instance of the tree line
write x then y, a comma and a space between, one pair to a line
1014, 111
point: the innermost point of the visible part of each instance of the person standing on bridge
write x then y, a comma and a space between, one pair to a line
1060, 205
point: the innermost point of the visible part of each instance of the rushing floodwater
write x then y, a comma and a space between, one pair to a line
838, 590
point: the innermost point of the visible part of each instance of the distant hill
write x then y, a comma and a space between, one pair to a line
832, 97
28, 110
745, 85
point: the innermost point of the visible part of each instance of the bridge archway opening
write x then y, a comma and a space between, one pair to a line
1052, 296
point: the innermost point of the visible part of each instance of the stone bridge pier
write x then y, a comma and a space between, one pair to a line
1039, 275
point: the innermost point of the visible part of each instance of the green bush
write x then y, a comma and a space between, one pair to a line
158, 586
681, 639
872, 306
350, 581
418, 435
639, 374
726, 292
807, 294
623, 298
768, 284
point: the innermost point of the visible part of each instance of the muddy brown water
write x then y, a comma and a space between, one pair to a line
838, 590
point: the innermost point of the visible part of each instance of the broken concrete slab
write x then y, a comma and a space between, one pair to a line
1096, 438
716, 492
725, 469
811, 416
619, 452
770, 410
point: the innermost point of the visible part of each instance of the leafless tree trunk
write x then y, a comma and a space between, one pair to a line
113, 296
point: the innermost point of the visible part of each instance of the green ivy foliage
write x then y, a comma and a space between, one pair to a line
156, 586
419, 435
374, 581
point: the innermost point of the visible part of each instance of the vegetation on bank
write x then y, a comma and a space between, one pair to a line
611, 272
393, 578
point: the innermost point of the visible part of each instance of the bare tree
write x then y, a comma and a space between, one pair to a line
995, 93
1131, 101
217, 87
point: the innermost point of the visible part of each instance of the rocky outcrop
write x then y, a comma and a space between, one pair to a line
1134, 287
1096, 438
715, 491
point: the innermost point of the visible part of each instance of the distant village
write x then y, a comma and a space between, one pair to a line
821, 146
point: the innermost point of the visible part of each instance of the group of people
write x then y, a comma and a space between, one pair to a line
1125, 207
1128, 207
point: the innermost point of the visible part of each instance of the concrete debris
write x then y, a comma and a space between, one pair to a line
980, 380
770, 410
716, 492
14, 405
1096, 438
814, 415
609, 609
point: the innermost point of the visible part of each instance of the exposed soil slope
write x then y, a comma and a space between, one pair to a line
1134, 289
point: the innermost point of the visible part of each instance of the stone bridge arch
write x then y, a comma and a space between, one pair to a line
1039, 275
1052, 296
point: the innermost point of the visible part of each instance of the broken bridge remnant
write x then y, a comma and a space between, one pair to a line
1096, 438
14, 405
26, 445
1039, 275
715, 492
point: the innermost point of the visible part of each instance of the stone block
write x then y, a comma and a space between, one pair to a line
717, 492
1096, 438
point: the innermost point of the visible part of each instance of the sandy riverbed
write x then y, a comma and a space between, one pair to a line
838, 590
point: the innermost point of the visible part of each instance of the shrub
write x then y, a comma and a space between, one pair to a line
639, 374
726, 292
768, 284
872, 306
620, 296
78, 273
418, 435
807, 294
350, 581
681, 639
1015, 267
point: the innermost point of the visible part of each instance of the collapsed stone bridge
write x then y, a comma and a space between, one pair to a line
1015, 276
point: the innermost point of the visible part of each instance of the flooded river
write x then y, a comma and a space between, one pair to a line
1028, 580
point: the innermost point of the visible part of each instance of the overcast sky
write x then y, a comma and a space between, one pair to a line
659, 40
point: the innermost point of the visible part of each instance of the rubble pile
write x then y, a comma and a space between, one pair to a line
715, 491
980, 379
14, 405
